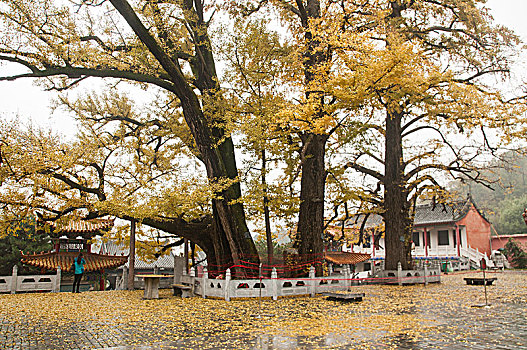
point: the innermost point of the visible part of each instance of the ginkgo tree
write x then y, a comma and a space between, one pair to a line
423, 92
123, 169
306, 111
165, 45
401, 89
361, 77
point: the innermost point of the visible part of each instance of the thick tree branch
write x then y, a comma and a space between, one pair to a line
76, 73
75, 185
365, 170
171, 67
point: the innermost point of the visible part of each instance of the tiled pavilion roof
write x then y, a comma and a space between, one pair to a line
94, 262
440, 214
83, 228
346, 258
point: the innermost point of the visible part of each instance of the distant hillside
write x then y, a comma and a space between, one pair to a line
504, 204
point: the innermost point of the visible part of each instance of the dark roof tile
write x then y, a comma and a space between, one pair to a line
425, 214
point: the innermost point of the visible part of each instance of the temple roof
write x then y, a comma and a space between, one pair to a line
346, 258
425, 214
440, 214
52, 260
84, 228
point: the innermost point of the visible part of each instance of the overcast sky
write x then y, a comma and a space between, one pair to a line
24, 99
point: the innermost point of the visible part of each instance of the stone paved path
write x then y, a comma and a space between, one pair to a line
417, 317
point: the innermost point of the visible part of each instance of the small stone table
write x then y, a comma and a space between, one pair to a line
152, 285
183, 290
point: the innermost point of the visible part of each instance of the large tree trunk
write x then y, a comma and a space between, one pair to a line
396, 206
312, 190
220, 163
267, 218
228, 212
215, 149
309, 239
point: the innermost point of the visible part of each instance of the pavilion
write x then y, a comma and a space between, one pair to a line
68, 240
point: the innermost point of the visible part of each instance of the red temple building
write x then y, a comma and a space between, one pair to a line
456, 231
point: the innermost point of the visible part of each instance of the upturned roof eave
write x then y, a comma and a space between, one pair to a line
346, 258
51, 260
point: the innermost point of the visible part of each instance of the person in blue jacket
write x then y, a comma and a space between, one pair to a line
79, 270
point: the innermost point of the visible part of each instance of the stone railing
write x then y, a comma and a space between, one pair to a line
474, 255
276, 287
273, 287
14, 283
400, 276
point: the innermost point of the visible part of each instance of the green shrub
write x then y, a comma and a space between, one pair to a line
516, 255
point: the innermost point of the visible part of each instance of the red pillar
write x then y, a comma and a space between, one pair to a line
426, 241
458, 241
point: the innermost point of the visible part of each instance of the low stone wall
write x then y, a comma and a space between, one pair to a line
34, 283
276, 287
5, 284
273, 287
401, 276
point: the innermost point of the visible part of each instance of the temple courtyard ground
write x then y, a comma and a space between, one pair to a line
436, 316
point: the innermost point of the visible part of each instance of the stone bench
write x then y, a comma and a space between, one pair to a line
182, 290
479, 281
349, 297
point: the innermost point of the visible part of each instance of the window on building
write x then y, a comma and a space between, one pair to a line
454, 238
442, 237
415, 238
